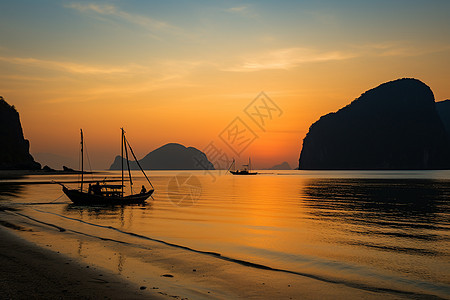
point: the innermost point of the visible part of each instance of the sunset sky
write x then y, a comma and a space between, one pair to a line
182, 71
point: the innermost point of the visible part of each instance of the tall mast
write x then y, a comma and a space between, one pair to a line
233, 165
249, 164
121, 156
128, 162
82, 161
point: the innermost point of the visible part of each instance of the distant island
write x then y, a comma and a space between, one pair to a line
395, 126
15, 150
171, 156
283, 166
55, 161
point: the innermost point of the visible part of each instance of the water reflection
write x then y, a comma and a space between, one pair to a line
119, 214
375, 200
386, 214
117, 259
97, 211
7, 192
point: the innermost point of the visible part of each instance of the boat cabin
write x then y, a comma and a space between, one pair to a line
106, 190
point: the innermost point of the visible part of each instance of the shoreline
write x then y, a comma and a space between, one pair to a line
4, 174
31, 271
167, 272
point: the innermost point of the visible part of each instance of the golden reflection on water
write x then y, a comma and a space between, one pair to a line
366, 229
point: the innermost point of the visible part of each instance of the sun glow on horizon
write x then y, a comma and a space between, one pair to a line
181, 72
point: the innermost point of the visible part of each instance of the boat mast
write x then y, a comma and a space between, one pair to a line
82, 162
249, 164
121, 156
233, 165
128, 162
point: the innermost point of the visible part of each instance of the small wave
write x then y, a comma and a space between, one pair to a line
38, 221
250, 264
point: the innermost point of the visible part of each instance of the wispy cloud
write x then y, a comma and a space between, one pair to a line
109, 80
69, 66
243, 10
399, 48
148, 23
287, 58
238, 8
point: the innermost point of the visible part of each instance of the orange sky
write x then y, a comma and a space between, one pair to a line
181, 72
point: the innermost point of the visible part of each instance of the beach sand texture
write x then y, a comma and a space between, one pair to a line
32, 272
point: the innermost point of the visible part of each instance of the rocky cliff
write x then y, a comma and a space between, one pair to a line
443, 109
14, 150
170, 157
393, 126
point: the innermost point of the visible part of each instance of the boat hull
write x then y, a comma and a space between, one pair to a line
243, 173
83, 198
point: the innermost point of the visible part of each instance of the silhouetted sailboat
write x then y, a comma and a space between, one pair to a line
247, 170
109, 193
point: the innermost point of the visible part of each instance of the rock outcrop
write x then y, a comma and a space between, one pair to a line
443, 109
171, 156
393, 126
283, 166
15, 149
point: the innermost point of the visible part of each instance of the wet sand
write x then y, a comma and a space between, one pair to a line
31, 272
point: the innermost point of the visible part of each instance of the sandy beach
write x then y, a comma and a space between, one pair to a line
29, 271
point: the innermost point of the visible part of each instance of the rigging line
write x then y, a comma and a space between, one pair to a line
57, 198
232, 164
89, 160
139, 165
128, 166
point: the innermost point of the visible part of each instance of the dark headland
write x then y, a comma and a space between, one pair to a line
443, 109
15, 157
171, 156
15, 150
395, 126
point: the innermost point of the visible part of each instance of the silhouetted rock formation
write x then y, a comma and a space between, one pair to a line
55, 161
170, 157
67, 169
393, 126
282, 166
48, 169
14, 150
443, 109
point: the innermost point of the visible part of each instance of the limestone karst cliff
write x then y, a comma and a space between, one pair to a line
393, 126
14, 150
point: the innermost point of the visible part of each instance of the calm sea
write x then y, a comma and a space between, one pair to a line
379, 230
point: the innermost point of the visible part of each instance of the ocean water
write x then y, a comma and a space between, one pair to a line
376, 230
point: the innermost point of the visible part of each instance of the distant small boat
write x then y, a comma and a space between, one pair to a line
247, 170
102, 193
